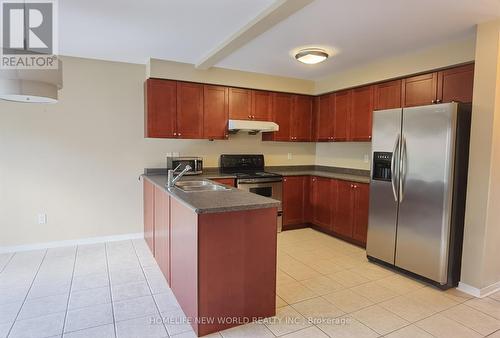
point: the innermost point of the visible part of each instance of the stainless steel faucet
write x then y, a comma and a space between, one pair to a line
171, 179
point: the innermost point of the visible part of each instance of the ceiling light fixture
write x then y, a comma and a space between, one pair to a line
311, 56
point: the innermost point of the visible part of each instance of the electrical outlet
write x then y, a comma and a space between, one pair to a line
42, 218
367, 158
290, 156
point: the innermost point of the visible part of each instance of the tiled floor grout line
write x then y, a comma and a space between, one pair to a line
150, 290
110, 290
8, 262
28, 292
70, 289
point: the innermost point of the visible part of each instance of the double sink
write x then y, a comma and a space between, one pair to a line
199, 185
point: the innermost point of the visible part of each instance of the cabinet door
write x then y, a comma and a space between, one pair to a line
162, 231
343, 220
161, 108
240, 104
387, 95
456, 84
215, 112
261, 105
301, 128
361, 114
322, 207
342, 113
361, 201
325, 117
189, 110
293, 200
149, 213
420, 90
282, 112
308, 202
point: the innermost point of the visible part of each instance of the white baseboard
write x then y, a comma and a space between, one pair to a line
480, 293
71, 242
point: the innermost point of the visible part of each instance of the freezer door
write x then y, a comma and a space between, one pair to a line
426, 184
383, 214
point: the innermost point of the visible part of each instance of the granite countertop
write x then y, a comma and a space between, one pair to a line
345, 174
203, 202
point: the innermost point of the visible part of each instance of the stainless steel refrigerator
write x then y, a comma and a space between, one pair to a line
418, 190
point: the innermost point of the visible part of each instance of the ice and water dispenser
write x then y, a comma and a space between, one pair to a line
382, 166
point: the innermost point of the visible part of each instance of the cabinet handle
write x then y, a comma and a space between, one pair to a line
352, 186
253, 117
433, 101
175, 134
179, 134
438, 101
249, 116
370, 137
355, 186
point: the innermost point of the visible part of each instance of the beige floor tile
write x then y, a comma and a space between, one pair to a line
280, 302
495, 335
408, 308
457, 295
410, 331
283, 278
299, 271
372, 271
348, 278
473, 319
347, 327
379, 319
487, 305
433, 298
310, 332
442, 327
252, 330
326, 266
495, 296
295, 292
374, 292
287, 320
400, 284
348, 301
317, 309
322, 285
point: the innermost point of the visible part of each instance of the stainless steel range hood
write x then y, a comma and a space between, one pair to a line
252, 127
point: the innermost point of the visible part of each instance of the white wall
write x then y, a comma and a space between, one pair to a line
79, 160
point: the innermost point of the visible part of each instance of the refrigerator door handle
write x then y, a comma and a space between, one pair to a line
394, 172
402, 177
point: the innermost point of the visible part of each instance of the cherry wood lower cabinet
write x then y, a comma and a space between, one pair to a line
217, 272
227, 181
219, 276
162, 231
334, 206
294, 199
149, 213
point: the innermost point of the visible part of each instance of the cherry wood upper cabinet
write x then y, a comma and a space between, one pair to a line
387, 95
324, 117
215, 112
293, 199
360, 211
456, 84
162, 231
240, 104
149, 211
361, 114
161, 108
343, 222
301, 124
189, 110
261, 105
281, 113
420, 90
342, 113
322, 204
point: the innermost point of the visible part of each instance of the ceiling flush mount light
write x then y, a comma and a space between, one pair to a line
311, 56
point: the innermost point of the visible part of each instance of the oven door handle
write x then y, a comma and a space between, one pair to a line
250, 181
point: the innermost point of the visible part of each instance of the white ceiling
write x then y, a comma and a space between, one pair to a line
359, 31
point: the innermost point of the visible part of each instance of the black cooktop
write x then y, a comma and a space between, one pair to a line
244, 166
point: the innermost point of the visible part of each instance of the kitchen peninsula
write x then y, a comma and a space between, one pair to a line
217, 251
